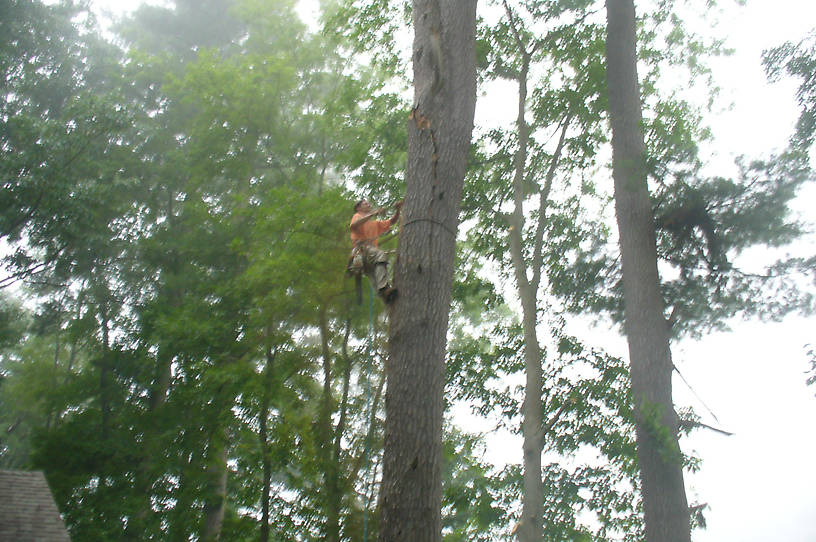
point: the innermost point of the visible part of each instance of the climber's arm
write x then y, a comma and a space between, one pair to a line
365, 218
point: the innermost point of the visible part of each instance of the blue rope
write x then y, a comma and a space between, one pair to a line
369, 407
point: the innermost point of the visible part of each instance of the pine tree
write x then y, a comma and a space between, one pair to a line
661, 466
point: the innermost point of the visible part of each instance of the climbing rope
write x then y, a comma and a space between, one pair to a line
432, 221
369, 407
691, 389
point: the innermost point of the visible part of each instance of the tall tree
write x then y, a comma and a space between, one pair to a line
554, 53
532, 172
665, 506
438, 144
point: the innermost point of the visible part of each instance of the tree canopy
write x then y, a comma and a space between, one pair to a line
181, 350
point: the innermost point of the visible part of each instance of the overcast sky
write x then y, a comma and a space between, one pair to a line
760, 483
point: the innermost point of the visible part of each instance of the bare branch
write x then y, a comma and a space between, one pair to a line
514, 29
692, 424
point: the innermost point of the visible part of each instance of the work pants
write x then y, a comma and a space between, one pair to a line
373, 262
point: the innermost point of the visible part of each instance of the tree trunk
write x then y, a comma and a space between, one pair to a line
334, 484
263, 435
530, 526
267, 469
438, 144
104, 368
145, 473
215, 498
148, 467
661, 471
324, 437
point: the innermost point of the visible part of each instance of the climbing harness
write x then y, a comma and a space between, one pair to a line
354, 268
357, 263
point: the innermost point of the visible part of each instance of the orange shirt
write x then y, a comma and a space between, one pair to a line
369, 230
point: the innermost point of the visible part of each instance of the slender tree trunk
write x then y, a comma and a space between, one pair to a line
104, 369
324, 437
360, 461
267, 473
263, 434
530, 526
74, 343
528, 279
334, 481
53, 414
661, 471
148, 470
182, 520
438, 144
215, 498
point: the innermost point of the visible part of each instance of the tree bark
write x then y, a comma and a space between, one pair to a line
335, 482
661, 471
530, 525
104, 369
325, 439
263, 435
215, 498
438, 145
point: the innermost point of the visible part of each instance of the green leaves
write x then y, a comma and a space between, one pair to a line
177, 214
61, 134
194, 221
471, 493
799, 61
706, 225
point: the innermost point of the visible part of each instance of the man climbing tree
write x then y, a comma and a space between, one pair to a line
439, 131
366, 255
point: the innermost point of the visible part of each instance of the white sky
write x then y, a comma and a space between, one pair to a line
760, 482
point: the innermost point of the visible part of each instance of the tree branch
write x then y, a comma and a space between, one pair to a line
544, 197
692, 424
547, 427
514, 30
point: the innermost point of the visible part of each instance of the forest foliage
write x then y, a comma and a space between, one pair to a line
181, 351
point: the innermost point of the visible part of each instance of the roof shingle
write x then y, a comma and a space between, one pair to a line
28, 512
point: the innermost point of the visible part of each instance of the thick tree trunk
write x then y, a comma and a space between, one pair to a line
438, 145
661, 471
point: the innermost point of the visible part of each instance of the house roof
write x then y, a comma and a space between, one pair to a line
28, 512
